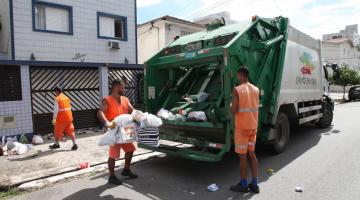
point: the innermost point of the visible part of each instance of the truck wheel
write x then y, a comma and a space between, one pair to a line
282, 131
327, 117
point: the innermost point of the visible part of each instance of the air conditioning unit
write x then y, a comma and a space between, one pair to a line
113, 44
7, 122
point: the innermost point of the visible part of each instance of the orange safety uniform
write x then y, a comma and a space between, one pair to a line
246, 119
64, 118
115, 109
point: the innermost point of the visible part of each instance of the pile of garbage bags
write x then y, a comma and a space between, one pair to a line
11, 146
137, 127
195, 116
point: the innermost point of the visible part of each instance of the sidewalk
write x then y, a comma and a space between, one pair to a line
337, 96
41, 162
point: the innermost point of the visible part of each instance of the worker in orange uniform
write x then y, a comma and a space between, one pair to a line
245, 105
62, 119
111, 107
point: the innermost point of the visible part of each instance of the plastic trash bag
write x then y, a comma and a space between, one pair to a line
124, 119
23, 139
37, 139
197, 116
126, 134
138, 116
148, 136
18, 148
164, 114
177, 117
11, 139
152, 121
109, 138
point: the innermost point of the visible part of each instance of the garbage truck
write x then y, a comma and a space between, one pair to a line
197, 72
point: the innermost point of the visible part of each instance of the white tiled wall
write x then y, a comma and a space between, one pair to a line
20, 109
59, 47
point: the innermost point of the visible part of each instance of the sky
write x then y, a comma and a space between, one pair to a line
314, 17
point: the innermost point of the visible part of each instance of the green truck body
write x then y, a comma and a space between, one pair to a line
207, 62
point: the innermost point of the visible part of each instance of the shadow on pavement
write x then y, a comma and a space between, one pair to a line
94, 193
178, 178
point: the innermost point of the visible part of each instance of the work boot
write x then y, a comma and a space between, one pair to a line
254, 189
114, 180
239, 188
127, 173
54, 146
74, 147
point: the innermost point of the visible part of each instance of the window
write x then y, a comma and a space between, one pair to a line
53, 18
10, 83
112, 26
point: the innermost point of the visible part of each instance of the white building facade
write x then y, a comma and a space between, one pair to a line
154, 35
79, 45
343, 47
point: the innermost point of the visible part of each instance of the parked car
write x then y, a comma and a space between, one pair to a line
354, 93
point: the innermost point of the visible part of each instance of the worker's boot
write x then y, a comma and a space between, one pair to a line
239, 188
254, 189
54, 146
114, 180
127, 173
74, 147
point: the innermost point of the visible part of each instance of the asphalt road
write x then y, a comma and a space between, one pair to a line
324, 162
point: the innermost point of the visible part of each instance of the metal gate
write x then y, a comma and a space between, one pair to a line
134, 83
81, 85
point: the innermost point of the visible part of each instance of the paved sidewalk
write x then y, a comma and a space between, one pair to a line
41, 162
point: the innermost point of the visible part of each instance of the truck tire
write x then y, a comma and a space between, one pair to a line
326, 120
282, 131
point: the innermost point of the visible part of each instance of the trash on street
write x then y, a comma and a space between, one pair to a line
213, 187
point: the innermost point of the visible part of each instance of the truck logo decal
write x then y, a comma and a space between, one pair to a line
307, 64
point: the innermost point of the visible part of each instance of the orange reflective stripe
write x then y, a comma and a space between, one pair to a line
248, 110
64, 109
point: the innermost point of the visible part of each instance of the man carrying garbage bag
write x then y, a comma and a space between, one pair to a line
62, 119
245, 105
112, 106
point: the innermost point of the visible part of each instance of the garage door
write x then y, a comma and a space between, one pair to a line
81, 85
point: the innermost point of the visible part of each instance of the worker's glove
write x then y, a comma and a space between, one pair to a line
53, 122
110, 125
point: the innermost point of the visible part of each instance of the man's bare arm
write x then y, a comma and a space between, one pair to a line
131, 108
102, 117
235, 102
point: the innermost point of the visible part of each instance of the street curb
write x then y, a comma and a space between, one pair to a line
41, 183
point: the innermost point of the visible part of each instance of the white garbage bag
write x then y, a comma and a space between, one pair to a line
109, 138
197, 116
164, 114
152, 121
126, 134
37, 139
20, 148
124, 119
177, 117
138, 116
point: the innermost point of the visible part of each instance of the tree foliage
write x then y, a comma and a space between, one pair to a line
348, 77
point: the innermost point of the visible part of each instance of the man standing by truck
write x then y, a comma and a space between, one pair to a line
112, 106
62, 119
245, 105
